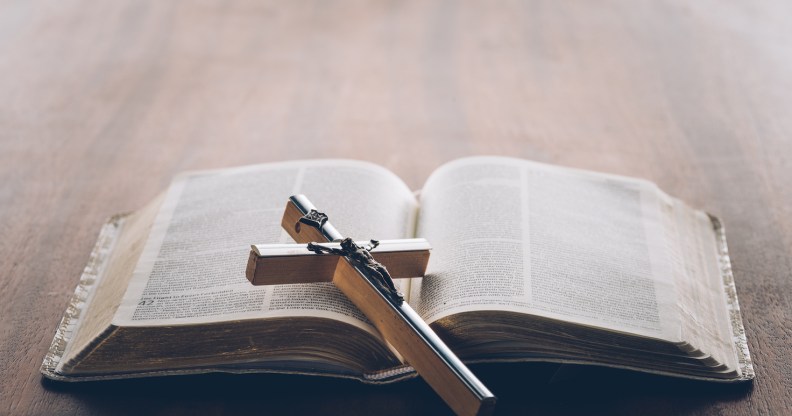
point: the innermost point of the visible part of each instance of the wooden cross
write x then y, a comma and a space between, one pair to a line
278, 264
369, 287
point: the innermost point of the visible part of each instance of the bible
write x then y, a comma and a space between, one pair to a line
530, 262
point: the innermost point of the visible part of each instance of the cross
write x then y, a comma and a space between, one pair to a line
357, 270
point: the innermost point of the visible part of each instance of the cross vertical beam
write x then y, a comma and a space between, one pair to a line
398, 323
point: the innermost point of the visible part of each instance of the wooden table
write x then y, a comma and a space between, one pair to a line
103, 102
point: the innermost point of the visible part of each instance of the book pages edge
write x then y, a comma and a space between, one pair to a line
82, 296
394, 375
405, 372
735, 317
386, 376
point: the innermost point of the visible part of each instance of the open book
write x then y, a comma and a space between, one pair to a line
530, 262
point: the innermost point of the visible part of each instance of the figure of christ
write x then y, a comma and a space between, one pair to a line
361, 257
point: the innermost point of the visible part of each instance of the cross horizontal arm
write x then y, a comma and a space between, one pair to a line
275, 264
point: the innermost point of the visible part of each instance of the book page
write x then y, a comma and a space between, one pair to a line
702, 306
560, 243
193, 264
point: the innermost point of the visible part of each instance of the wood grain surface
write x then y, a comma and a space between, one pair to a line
102, 102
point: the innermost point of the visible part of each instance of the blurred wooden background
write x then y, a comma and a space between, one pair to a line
102, 102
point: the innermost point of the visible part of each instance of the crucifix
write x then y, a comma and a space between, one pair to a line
357, 270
